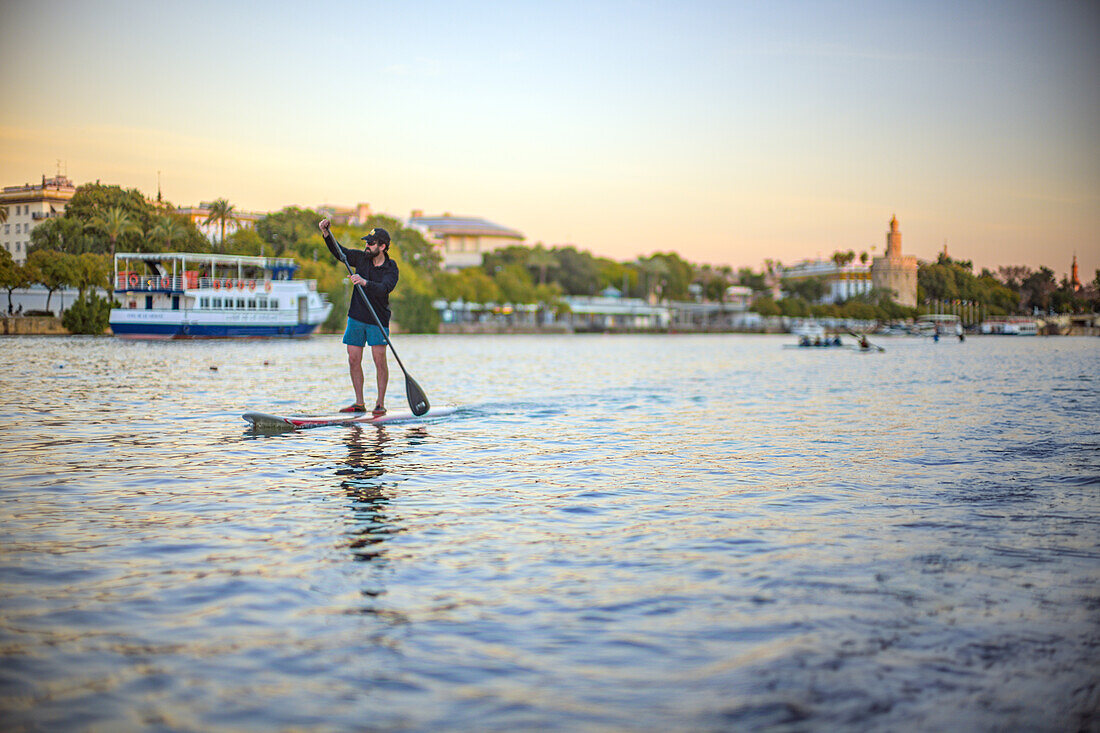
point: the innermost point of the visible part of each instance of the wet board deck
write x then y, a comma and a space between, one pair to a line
262, 421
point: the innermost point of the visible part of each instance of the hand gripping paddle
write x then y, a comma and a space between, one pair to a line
418, 401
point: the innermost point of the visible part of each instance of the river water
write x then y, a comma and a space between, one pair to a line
612, 533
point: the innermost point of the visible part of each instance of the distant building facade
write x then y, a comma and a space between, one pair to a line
344, 216
198, 215
844, 281
894, 271
463, 241
28, 206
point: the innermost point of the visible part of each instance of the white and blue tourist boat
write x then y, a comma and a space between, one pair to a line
165, 295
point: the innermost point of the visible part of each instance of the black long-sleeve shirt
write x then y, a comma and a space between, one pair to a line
381, 281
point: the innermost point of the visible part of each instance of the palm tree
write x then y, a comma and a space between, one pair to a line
541, 259
221, 211
165, 230
115, 223
655, 271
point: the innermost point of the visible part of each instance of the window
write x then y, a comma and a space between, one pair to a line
217, 302
251, 304
17, 246
240, 303
204, 302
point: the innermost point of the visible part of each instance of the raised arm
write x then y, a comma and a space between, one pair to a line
352, 255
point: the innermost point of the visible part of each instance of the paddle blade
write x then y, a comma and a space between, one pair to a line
418, 401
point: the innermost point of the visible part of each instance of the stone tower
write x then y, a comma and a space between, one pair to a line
894, 271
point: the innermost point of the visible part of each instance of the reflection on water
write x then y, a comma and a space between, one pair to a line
612, 533
369, 526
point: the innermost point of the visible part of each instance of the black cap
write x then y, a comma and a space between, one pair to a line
378, 235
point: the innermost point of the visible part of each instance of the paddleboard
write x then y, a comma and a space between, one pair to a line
263, 421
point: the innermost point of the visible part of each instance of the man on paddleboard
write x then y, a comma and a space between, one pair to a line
377, 273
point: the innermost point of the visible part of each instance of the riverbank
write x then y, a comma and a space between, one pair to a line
32, 326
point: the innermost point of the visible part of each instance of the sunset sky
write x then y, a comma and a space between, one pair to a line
729, 132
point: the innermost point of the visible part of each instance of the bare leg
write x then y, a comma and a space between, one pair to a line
381, 373
355, 364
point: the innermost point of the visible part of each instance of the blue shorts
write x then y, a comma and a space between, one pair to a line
358, 333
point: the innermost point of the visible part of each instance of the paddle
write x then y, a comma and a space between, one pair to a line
864, 338
418, 401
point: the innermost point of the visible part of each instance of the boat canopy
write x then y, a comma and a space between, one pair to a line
274, 264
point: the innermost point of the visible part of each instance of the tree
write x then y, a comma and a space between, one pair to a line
809, 289
222, 212
115, 223
284, 229
515, 284
63, 235
168, 229
3, 214
245, 242
91, 201
765, 306
52, 269
577, 272
843, 258
541, 260
754, 280
1036, 290
88, 315
655, 272
412, 302
12, 276
89, 271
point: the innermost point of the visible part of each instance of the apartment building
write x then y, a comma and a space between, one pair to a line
28, 206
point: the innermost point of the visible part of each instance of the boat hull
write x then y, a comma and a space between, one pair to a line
161, 331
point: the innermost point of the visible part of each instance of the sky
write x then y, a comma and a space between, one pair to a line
729, 132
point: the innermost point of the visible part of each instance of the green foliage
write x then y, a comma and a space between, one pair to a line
246, 242
91, 202
577, 272
672, 274
64, 234
12, 276
411, 246
116, 225
754, 280
174, 233
412, 302
950, 280
285, 229
471, 285
794, 307
810, 289
89, 271
514, 284
714, 281
221, 212
52, 269
90, 314
765, 306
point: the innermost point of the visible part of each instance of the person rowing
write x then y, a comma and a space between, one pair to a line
377, 275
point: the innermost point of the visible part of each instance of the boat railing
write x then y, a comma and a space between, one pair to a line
130, 281
232, 283
133, 281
